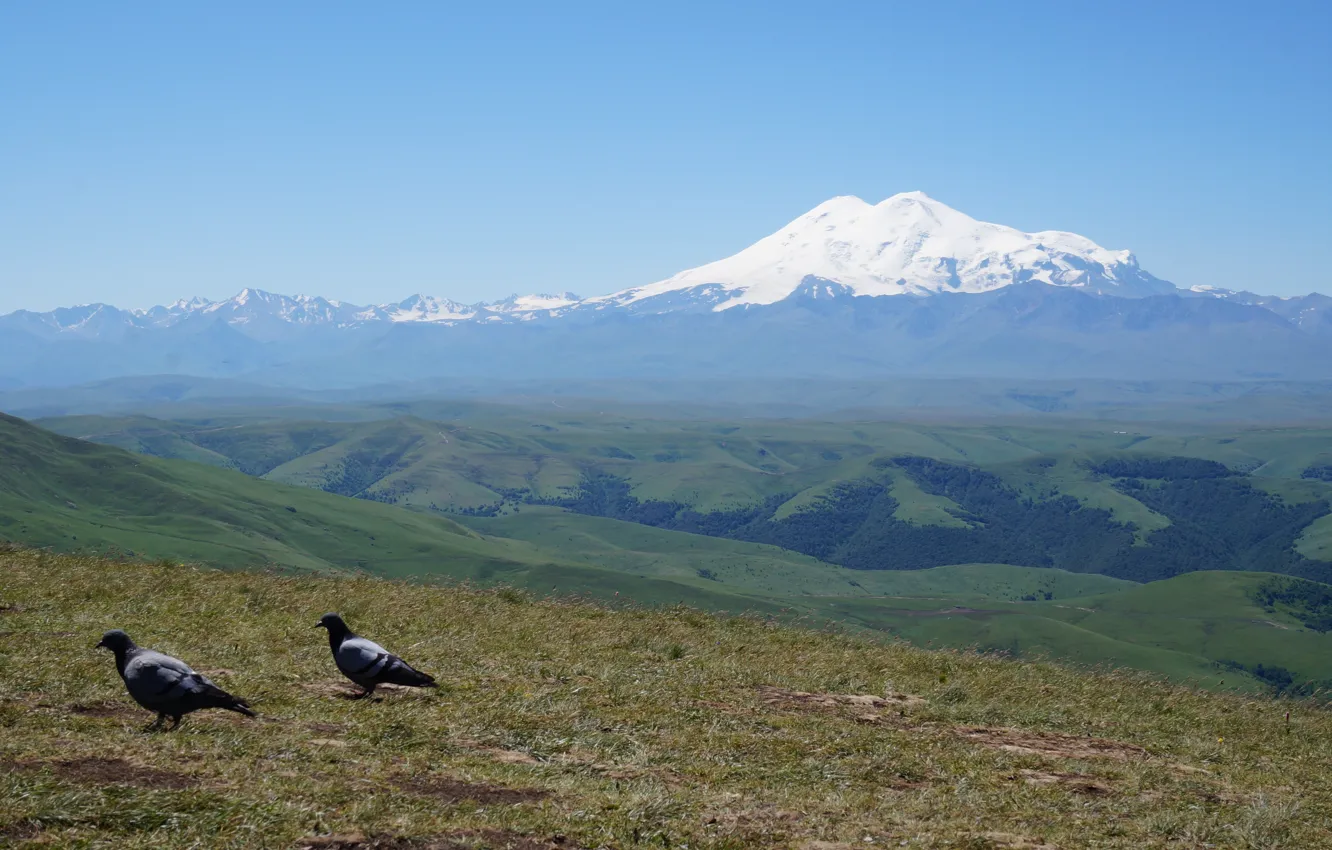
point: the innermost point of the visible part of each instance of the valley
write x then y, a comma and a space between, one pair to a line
942, 535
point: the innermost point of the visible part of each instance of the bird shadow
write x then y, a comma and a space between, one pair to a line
351, 693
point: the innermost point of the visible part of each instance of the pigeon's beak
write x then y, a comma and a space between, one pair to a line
320, 626
101, 644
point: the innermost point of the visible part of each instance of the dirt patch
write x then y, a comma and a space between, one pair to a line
455, 791
105, 771
489, 839
1078, 783
863, 702
1050, 743
24, 830
10, 609
101, 709
326, 728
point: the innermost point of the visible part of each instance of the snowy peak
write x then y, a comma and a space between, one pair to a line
268, 315
908, 244
422, 308
534, 303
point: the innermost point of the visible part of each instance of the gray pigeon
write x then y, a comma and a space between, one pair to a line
164, 684
367, 663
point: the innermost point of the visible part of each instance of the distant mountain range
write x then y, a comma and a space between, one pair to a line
907, 287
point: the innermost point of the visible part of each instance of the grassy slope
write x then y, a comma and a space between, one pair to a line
916, 506
141, 434
646, 729
1182, 627
707, 464
70, 495
1210, 614
767, 571
1316, 541
463, 455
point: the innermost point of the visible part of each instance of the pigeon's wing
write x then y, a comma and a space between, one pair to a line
361, 659
158, 681
399, 672
161, 683
366, 662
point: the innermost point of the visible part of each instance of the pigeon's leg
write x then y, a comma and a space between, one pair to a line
175, 723
368, 691
156, 724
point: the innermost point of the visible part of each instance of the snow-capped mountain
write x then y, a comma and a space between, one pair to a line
910, 244
906, 287
420, 308
263, 314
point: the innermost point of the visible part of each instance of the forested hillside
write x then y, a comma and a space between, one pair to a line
1217, 520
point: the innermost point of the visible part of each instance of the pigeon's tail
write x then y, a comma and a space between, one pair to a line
215, 697
403, 674
241, 707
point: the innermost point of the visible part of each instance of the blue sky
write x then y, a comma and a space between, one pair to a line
155, 150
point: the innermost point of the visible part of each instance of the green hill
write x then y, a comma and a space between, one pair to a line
1206, 627
563, 725
866, 495
71, 495
768, 571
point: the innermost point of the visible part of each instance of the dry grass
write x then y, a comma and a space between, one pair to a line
560, 724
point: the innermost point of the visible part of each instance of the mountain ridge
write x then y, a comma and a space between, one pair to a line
908, 287
908, 244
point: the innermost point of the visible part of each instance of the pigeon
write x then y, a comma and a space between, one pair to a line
164, 684
367, 663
